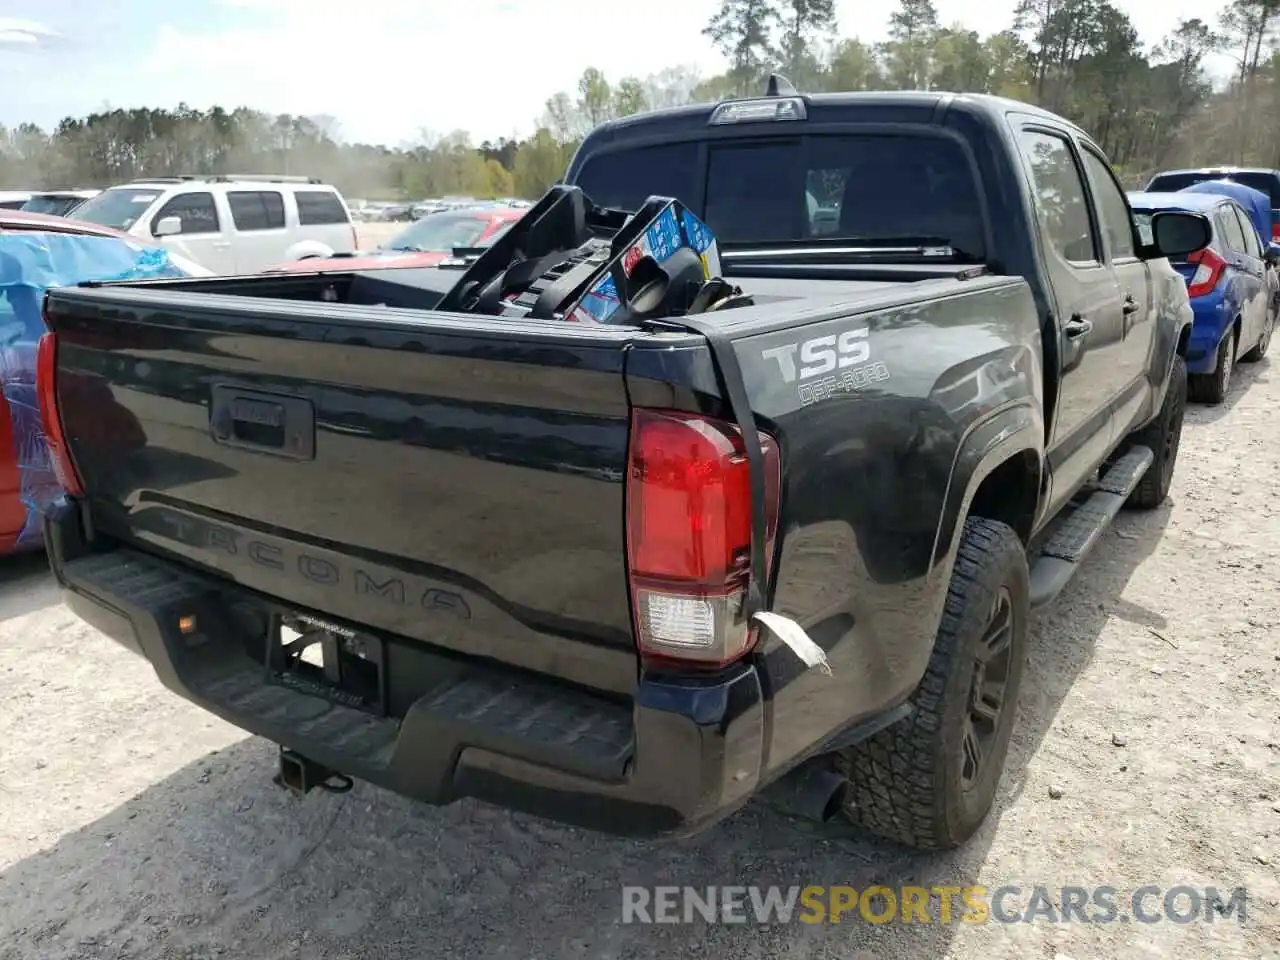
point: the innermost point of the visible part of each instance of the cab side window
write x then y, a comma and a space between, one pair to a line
1113, 209
197, 211
1061, 203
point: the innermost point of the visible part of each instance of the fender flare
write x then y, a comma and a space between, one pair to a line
1014, 429
1162, 368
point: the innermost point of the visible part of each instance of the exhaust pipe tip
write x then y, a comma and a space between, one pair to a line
838, 799
812, 790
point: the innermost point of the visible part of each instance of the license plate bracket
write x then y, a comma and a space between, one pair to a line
329, 660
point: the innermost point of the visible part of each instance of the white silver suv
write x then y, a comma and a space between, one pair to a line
229, 224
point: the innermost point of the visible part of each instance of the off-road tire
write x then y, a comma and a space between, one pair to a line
906, 782
1260, 348
1212, 388
1163, 436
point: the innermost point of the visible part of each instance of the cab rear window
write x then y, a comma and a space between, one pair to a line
624, 179
876, 188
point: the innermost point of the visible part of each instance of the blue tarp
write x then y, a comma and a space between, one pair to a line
30, 263
1255, 203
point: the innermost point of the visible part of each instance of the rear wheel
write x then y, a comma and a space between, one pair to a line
1212, 388
1260, 348
929, 781
1163, 436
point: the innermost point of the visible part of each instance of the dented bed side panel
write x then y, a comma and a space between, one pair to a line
871, 401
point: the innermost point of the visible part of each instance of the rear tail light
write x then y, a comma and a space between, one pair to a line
1275, 231
51, 419
1209, 269
689, 535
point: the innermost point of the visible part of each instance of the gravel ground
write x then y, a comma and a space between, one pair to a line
372, 234
133, 825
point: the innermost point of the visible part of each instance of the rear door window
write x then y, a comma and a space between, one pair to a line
1112, 207
256, 209
1230, 227
1252, 246
319, 207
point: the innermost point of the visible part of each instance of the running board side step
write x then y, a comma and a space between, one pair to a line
1062, 555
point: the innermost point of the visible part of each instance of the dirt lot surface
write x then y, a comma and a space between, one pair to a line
134, 825
372, 234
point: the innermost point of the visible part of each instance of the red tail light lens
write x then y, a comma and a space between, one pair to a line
50, 418
1209, 270
1275, 231
689, 534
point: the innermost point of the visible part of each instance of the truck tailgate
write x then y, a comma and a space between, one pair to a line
460, 487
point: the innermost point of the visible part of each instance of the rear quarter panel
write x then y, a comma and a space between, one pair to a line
878, 405
1213, 315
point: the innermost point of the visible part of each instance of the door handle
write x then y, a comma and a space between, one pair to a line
221, 244
1130, 305
1077, 327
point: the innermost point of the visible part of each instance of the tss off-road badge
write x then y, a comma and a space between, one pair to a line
826, 366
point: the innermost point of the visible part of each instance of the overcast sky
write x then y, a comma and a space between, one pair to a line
384, 68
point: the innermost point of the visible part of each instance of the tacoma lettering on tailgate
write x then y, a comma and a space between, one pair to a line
318, 570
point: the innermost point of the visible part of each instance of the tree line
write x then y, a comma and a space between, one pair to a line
1149, 106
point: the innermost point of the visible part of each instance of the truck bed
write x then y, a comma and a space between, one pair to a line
455, 485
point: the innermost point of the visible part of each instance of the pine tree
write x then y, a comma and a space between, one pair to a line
911, 30
803, 23
742, 30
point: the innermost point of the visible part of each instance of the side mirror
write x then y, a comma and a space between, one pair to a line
1272, 253
168, 227
1175, 234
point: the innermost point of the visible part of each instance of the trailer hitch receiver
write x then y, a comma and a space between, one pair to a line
300, 776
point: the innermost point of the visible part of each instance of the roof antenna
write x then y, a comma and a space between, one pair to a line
780, 86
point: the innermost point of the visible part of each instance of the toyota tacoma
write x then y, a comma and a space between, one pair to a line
733, 469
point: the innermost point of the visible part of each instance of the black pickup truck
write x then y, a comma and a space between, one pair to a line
489, 552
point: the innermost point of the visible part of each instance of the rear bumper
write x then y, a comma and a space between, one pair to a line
678, 759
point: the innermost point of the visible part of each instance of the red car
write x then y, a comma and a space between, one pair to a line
26, 474
423, 243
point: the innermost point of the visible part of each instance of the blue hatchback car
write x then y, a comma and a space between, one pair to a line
1229, 286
